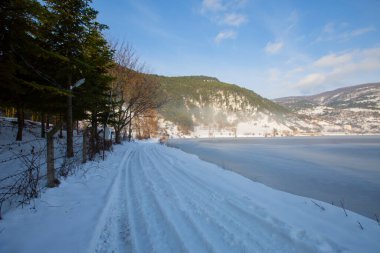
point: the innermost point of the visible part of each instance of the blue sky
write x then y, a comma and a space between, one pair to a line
274, 47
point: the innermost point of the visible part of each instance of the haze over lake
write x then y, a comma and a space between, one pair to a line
331, 169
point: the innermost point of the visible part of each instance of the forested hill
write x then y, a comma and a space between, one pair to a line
356, 109
205, 90
365, 96
205, 102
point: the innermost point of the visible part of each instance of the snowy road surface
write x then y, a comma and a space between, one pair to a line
150, 198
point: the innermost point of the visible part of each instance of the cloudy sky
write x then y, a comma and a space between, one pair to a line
274, 47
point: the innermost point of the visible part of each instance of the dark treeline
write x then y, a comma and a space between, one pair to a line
46, 47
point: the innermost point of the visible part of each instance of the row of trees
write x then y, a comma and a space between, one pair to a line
47, 46
135, 94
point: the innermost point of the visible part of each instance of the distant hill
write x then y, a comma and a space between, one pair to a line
356, 109
204, 106
358, 96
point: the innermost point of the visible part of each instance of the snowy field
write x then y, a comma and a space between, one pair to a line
150, 198
337, 170
16, 157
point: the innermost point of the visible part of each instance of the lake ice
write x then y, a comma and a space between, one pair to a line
344, 169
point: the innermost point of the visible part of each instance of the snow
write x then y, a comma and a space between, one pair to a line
361, 110
147, 197
64, 218
259, 126
317, 110
14, 154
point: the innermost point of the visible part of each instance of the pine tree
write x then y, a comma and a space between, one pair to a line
44, 50
68, 26
18, 52
95, 93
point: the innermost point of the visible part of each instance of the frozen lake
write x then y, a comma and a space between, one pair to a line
331, 169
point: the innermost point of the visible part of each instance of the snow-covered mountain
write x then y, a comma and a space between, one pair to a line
352, 110
201, 106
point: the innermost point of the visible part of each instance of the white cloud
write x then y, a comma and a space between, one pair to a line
332, 69
293, 72
225, 13
329, 28
274, 47
297, 70
229, 34
292, 20
212, 5
361, 31
333, 60
311, 80
370, 52
339, 32
223, 5
234, 19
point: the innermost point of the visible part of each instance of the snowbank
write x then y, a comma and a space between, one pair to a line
147, 197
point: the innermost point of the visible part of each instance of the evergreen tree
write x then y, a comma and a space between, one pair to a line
19, 20
68, 27
44, 50
95, 93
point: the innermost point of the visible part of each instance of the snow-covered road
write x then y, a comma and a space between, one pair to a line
159, 199
168, 201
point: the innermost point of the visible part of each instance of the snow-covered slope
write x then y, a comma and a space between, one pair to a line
23, 163
201, 106
354, 109
150, 198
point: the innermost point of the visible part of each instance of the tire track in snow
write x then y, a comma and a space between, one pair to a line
105, 237
139, 235
180, 216
223, 227
159, 203
123, 227
151, 229
295, 238
226, 212
209, 203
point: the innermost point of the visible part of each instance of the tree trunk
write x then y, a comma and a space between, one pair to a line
69, 127
92, 143
42, 125
47, 122
97, 140
130, 133
104, 139
50, 170
20, 123
125, 136
93, 135
84, 146
60, 130
130, 127
117, 136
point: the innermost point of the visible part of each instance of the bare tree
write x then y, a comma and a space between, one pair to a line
133, 92
146, 125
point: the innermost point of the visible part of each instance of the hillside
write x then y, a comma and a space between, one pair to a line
354, 109
203, 106
366, 96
